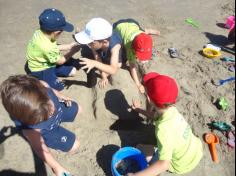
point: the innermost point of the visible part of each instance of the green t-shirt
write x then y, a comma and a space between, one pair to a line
176, 142
42, 53
128, 31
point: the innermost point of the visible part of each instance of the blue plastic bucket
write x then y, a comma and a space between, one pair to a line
125, 153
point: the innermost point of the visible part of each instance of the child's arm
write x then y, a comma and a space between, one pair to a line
67, 100
137, 107
66, 47
154, 170
104, 81
37, 143
109, 69
56, 92
134, 75
68, 55
152, 32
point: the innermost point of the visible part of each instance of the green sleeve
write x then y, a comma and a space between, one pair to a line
53, 55
130, 55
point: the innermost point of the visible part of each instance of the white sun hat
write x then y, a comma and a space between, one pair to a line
96, 29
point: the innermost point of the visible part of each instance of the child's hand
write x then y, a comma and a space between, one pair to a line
88, 64
60, 171
66, 100
68, 103
141, 89
136, 105
103, 83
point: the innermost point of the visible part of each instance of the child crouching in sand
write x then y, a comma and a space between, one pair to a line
45, 60
113, 46
38, 110
178, 150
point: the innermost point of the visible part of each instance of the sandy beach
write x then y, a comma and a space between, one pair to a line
107, 122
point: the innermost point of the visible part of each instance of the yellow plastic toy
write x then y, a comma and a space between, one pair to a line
211, 53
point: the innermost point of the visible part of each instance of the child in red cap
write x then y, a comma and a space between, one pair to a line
178, 149
126, 41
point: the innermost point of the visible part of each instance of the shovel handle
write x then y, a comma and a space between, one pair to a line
214, 153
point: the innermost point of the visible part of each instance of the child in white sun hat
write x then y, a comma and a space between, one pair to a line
113, 45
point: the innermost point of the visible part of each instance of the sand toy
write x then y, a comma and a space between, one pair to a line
212, 140
128, 160
221, 126
231, 67
192, 22
211, 53
231, 139
222, 82
230, 23
222, 104
228, 59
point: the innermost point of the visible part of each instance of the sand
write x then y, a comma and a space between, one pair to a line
98, 129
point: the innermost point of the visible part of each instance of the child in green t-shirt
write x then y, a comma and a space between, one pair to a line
44, 58
125, 41
178, 149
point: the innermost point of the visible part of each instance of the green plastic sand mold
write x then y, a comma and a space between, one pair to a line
223, 103
192, 22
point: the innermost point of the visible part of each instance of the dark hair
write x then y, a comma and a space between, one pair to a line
167, 105
25, 99
48, 32
107, 39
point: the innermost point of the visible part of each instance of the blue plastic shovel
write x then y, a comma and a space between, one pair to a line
222, 82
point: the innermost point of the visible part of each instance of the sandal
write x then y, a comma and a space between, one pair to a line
173, 52
231, 139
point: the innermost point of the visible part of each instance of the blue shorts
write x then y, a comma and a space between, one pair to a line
51, 75
61, 138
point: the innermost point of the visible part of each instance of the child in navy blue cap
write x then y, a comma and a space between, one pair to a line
38, 111
44, 58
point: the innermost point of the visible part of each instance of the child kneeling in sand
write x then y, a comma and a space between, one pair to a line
178, 149
38, 110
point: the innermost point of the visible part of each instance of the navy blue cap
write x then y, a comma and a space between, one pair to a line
54, 20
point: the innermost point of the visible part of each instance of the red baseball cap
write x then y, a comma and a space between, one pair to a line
161, 89
142, 46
